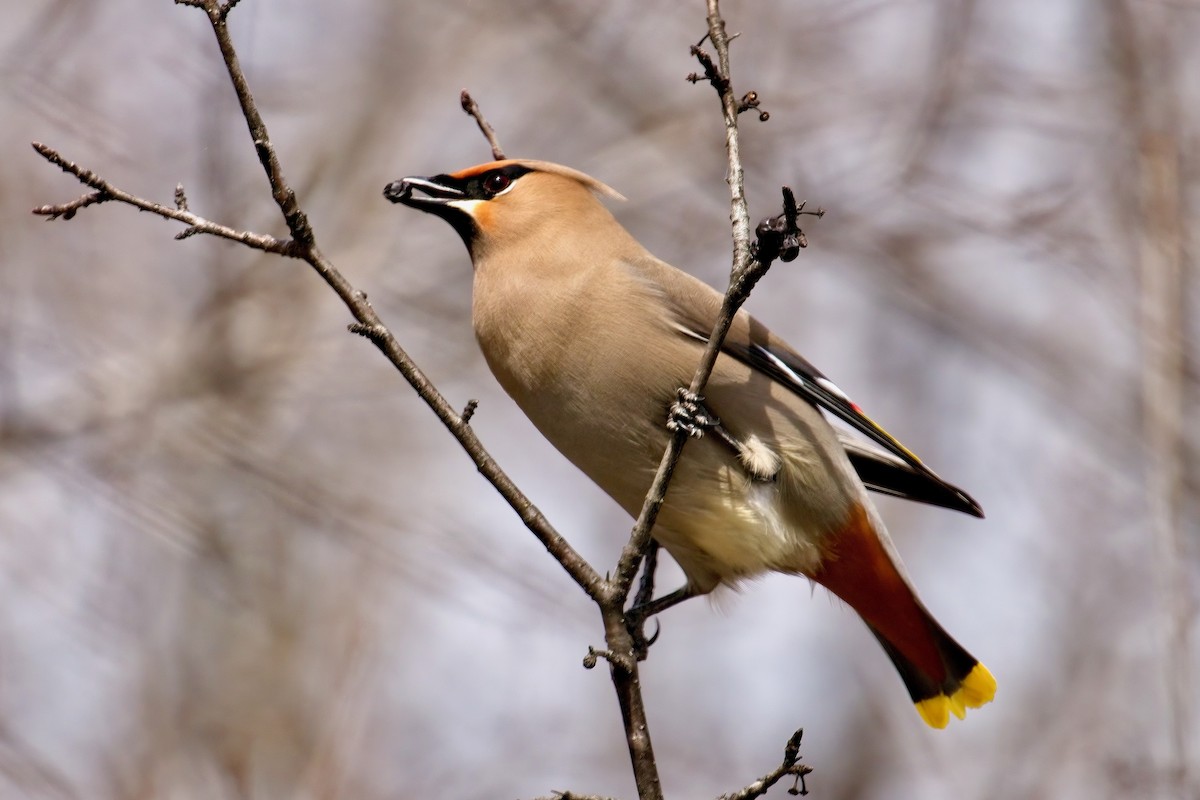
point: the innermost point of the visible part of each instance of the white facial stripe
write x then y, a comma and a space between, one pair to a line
467, 206
434, 189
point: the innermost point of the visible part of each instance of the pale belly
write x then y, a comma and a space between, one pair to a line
717, 522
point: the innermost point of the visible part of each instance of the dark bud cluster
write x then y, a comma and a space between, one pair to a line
775, 241
750, 101
780, 236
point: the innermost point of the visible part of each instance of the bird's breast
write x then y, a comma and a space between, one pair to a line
584, 359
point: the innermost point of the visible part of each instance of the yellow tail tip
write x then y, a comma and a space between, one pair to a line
977, 688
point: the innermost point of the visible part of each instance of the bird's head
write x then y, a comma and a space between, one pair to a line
505, 200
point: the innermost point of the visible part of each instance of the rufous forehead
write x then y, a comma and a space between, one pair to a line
471, 172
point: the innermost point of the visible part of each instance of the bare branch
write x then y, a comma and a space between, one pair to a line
790, 766
285, 198
105, 191
303, 246
228, 7
618, 660
471, 107
67, 210
744, 273
370, 326
1163, 267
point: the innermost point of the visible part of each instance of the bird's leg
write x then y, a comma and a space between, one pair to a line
645, 591
635, 618
689, 415
660, 604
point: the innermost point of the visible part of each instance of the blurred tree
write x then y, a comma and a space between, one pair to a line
237, 559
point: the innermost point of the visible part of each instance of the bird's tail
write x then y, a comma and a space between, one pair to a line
942, 678
962, 682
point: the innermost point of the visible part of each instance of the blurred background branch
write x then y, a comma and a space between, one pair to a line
224, 530
1153, 104
610, 594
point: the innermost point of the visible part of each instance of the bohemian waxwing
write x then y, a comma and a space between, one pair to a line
592, 335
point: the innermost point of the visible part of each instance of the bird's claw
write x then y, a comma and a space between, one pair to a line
641, 643
689, 415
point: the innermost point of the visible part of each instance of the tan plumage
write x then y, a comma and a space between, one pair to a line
591, 335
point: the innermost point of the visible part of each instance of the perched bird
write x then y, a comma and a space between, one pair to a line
592, 336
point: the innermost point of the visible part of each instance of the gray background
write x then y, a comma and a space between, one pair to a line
239, 558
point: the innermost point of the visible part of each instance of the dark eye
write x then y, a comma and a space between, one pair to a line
496, 183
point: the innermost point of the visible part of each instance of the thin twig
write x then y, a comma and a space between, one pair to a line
619, 661
369, 324
281, 190
67, 210
789, 766
743, 276
471, 107
228, 7
106, 191
623, 671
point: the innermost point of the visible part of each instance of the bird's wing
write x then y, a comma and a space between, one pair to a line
882, 462
883, 472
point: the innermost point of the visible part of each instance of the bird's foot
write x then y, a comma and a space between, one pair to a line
635, 618
689, 415
636, 623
